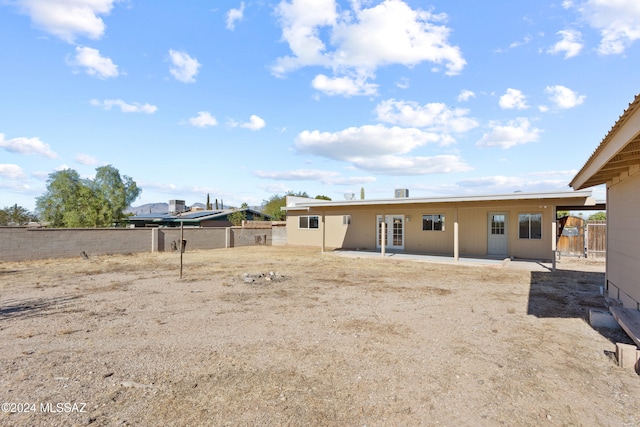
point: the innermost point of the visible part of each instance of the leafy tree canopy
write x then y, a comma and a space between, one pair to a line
321, 197
71, 201
598, 216
272, 206
237, 217
16, 215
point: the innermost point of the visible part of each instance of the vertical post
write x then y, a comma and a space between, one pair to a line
606, 244
383, 236
323, 233
227, 237
554, 238
181, 245
154, 239
456, 236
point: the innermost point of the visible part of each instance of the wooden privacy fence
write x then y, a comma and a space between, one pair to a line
583, 238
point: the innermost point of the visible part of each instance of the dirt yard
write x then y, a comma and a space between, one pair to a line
323, 341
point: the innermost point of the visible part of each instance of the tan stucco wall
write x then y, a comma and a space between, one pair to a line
472, 219
623, 238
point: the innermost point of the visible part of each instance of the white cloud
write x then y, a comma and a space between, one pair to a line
379, 149
618, 22
297, 175
515, 132
508, 184
125, 107
86, 159
363, 142
401, 165
94, 63
513, 99
234, 15
345, 86
515, 44
465, 95
325, 177
68, 19
254, 123
356, 42
28, 146
403, 83
203, 119
11, 171
184, 67
564, 97
570, 43
436, 117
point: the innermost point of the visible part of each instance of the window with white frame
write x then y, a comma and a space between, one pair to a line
346, 219
310, 221
433, 222
530, 226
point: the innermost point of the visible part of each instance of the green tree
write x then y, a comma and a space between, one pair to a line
245, 205
361, 193
321, 197
71, 201
273, 205
237, 217
16, 215
598, 216
208, 203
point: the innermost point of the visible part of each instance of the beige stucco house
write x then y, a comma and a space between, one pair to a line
616, 163
517, 225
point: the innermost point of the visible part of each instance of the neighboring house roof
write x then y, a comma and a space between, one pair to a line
303, 203
617, 152
192, 218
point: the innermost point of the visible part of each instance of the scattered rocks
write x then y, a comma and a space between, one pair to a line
262, 277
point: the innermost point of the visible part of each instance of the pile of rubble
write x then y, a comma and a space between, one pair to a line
262, 277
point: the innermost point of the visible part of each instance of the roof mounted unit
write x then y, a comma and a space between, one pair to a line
401, 193
176, 206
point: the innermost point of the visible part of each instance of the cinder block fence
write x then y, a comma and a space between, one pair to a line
21, 243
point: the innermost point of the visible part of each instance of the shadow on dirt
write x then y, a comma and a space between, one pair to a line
13, 309
570, 294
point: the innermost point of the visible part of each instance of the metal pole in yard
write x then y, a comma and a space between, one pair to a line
181, 245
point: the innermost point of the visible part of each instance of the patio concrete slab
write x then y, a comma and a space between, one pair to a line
530, 265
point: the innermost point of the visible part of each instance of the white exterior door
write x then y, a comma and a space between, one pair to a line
394, 238
498, 237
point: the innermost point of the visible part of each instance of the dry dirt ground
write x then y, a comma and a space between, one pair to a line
329, 341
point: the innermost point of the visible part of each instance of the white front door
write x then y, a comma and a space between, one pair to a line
394, 236
498, 238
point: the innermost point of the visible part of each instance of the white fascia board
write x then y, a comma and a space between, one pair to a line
310, 203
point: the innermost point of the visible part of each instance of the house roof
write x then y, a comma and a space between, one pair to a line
617, 152
191, 217
303, 203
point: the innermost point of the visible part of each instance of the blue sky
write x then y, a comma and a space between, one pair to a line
246, 99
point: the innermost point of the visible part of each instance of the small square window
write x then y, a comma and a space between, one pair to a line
308, 221
530, 226
433, 222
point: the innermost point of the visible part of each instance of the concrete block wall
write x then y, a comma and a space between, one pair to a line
20, 243
197, 238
